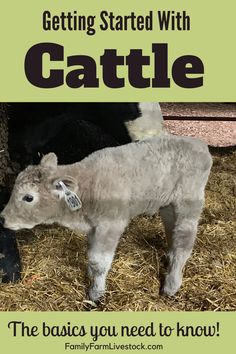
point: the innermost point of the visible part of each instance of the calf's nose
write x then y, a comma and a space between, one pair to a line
2, 220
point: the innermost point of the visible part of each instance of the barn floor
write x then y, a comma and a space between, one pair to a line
54, 262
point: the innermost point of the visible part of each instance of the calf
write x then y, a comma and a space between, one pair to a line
72, 131
100, 194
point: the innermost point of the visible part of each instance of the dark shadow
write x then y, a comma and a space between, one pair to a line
224, 150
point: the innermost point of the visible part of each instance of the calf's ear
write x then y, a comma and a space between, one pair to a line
68, 183
49, 161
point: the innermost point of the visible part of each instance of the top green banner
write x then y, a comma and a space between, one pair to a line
118, 51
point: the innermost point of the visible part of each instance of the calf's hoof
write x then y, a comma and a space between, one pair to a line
95, 294
171, 285
10, 265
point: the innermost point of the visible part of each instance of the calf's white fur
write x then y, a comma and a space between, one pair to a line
166, 173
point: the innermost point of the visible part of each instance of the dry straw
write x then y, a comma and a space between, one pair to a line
54, 262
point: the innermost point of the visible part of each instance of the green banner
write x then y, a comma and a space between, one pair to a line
118, 50
117, 332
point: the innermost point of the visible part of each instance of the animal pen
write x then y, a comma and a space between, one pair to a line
54, 258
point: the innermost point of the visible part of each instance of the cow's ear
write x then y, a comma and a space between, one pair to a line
70, 183
49, 161
60, 185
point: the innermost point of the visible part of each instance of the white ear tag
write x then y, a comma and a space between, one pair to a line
71, 198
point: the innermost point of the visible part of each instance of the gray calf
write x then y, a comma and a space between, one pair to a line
168, 173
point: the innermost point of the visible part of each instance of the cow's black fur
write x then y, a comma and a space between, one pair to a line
10, 265
73, 131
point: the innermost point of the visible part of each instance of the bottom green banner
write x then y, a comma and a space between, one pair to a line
118, 332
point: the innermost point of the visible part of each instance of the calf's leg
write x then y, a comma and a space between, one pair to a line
168, 217
181, 241
102, 244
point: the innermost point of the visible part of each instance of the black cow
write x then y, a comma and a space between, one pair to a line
73, 131
10, 265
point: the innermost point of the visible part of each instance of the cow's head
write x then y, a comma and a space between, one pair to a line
37, 196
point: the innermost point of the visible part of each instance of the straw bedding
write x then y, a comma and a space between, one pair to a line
54, 262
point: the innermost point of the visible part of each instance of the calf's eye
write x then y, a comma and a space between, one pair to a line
28, 198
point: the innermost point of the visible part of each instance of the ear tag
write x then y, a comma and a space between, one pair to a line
71, 198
